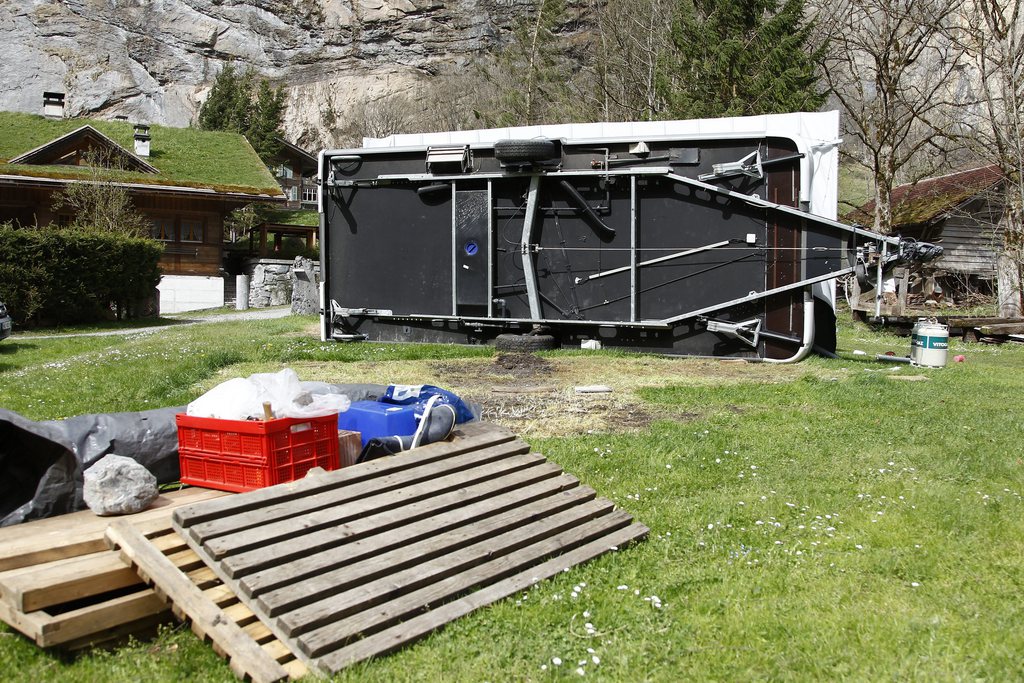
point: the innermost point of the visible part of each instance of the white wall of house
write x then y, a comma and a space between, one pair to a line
180, 293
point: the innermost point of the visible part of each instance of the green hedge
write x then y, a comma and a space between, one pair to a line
54, 276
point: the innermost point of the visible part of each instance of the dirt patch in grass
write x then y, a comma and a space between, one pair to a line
534, 394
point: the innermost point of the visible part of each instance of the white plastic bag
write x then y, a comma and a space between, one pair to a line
243, 398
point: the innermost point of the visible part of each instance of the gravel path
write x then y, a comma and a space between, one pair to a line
251, 314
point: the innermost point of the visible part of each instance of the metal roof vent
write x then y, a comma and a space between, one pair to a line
141, 140
53, 104
449, 159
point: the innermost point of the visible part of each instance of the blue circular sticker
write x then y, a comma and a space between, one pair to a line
471, 248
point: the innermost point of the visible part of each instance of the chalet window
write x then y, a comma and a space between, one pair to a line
293, 193
285, 172
191, 230
309, 193
163, 230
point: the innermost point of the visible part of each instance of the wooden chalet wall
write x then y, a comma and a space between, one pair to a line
176, 217
190, 226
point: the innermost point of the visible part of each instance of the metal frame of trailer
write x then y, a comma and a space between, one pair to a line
711, 238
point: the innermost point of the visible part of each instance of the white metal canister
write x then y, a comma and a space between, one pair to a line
929, 343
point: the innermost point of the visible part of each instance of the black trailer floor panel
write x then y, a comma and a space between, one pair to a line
677, 243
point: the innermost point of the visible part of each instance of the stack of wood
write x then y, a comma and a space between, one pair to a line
320, 573
61, 585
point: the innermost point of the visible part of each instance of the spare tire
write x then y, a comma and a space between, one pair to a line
525, 343
521, 151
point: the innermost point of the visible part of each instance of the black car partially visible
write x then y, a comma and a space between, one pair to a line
5, 322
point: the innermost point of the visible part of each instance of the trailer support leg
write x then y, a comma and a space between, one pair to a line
526, 247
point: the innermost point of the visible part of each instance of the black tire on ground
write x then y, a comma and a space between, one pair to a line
524, 343
519, 151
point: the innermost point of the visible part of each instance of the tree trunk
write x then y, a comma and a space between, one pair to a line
1008, 286
1011, 260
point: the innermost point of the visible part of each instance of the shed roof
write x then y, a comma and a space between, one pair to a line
928, 200
185, 157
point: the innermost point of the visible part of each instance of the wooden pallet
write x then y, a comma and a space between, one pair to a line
180, 579
62, 587
357, 563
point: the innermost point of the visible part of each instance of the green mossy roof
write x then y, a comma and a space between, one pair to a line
283, 217
927, 200
186, 157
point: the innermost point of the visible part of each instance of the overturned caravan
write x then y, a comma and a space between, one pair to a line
712, 237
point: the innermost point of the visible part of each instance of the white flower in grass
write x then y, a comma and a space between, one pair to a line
580, 671
557, 661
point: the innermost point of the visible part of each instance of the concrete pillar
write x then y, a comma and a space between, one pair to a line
242, 292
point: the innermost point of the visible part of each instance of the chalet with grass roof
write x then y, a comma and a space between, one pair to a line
959, 211
184, 180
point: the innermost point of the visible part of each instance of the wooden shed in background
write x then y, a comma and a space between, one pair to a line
959, 211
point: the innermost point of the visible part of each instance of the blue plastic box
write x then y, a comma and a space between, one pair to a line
373, 418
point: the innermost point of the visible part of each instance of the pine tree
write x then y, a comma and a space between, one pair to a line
740, 57
237, 104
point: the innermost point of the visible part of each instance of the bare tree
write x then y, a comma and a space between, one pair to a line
992, 33
394, 113
890, 64
625, 59
100, 202
450, 98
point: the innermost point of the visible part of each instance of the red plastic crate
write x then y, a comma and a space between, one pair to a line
242, 455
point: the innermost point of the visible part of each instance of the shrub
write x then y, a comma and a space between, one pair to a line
71, 276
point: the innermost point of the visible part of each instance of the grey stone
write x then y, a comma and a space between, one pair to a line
305, 287
116, 485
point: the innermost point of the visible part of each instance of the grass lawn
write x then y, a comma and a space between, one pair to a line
820, 521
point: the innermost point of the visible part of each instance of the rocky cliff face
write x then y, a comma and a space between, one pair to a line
154, 60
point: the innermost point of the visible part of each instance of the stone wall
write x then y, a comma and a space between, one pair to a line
271, 281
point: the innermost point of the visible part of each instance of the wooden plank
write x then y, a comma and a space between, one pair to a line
279, 575
340, 494
81, 533
278, 650
34, 588
30, 625
347, 532
371, 593
240, 614
1003, 329
468, 437
332, 636
94, 619
406, 632
362, 505
245, 654
220, 595
407, 554
119, 633
186, 560
295, 669
202, 577
166, 543
259, 632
